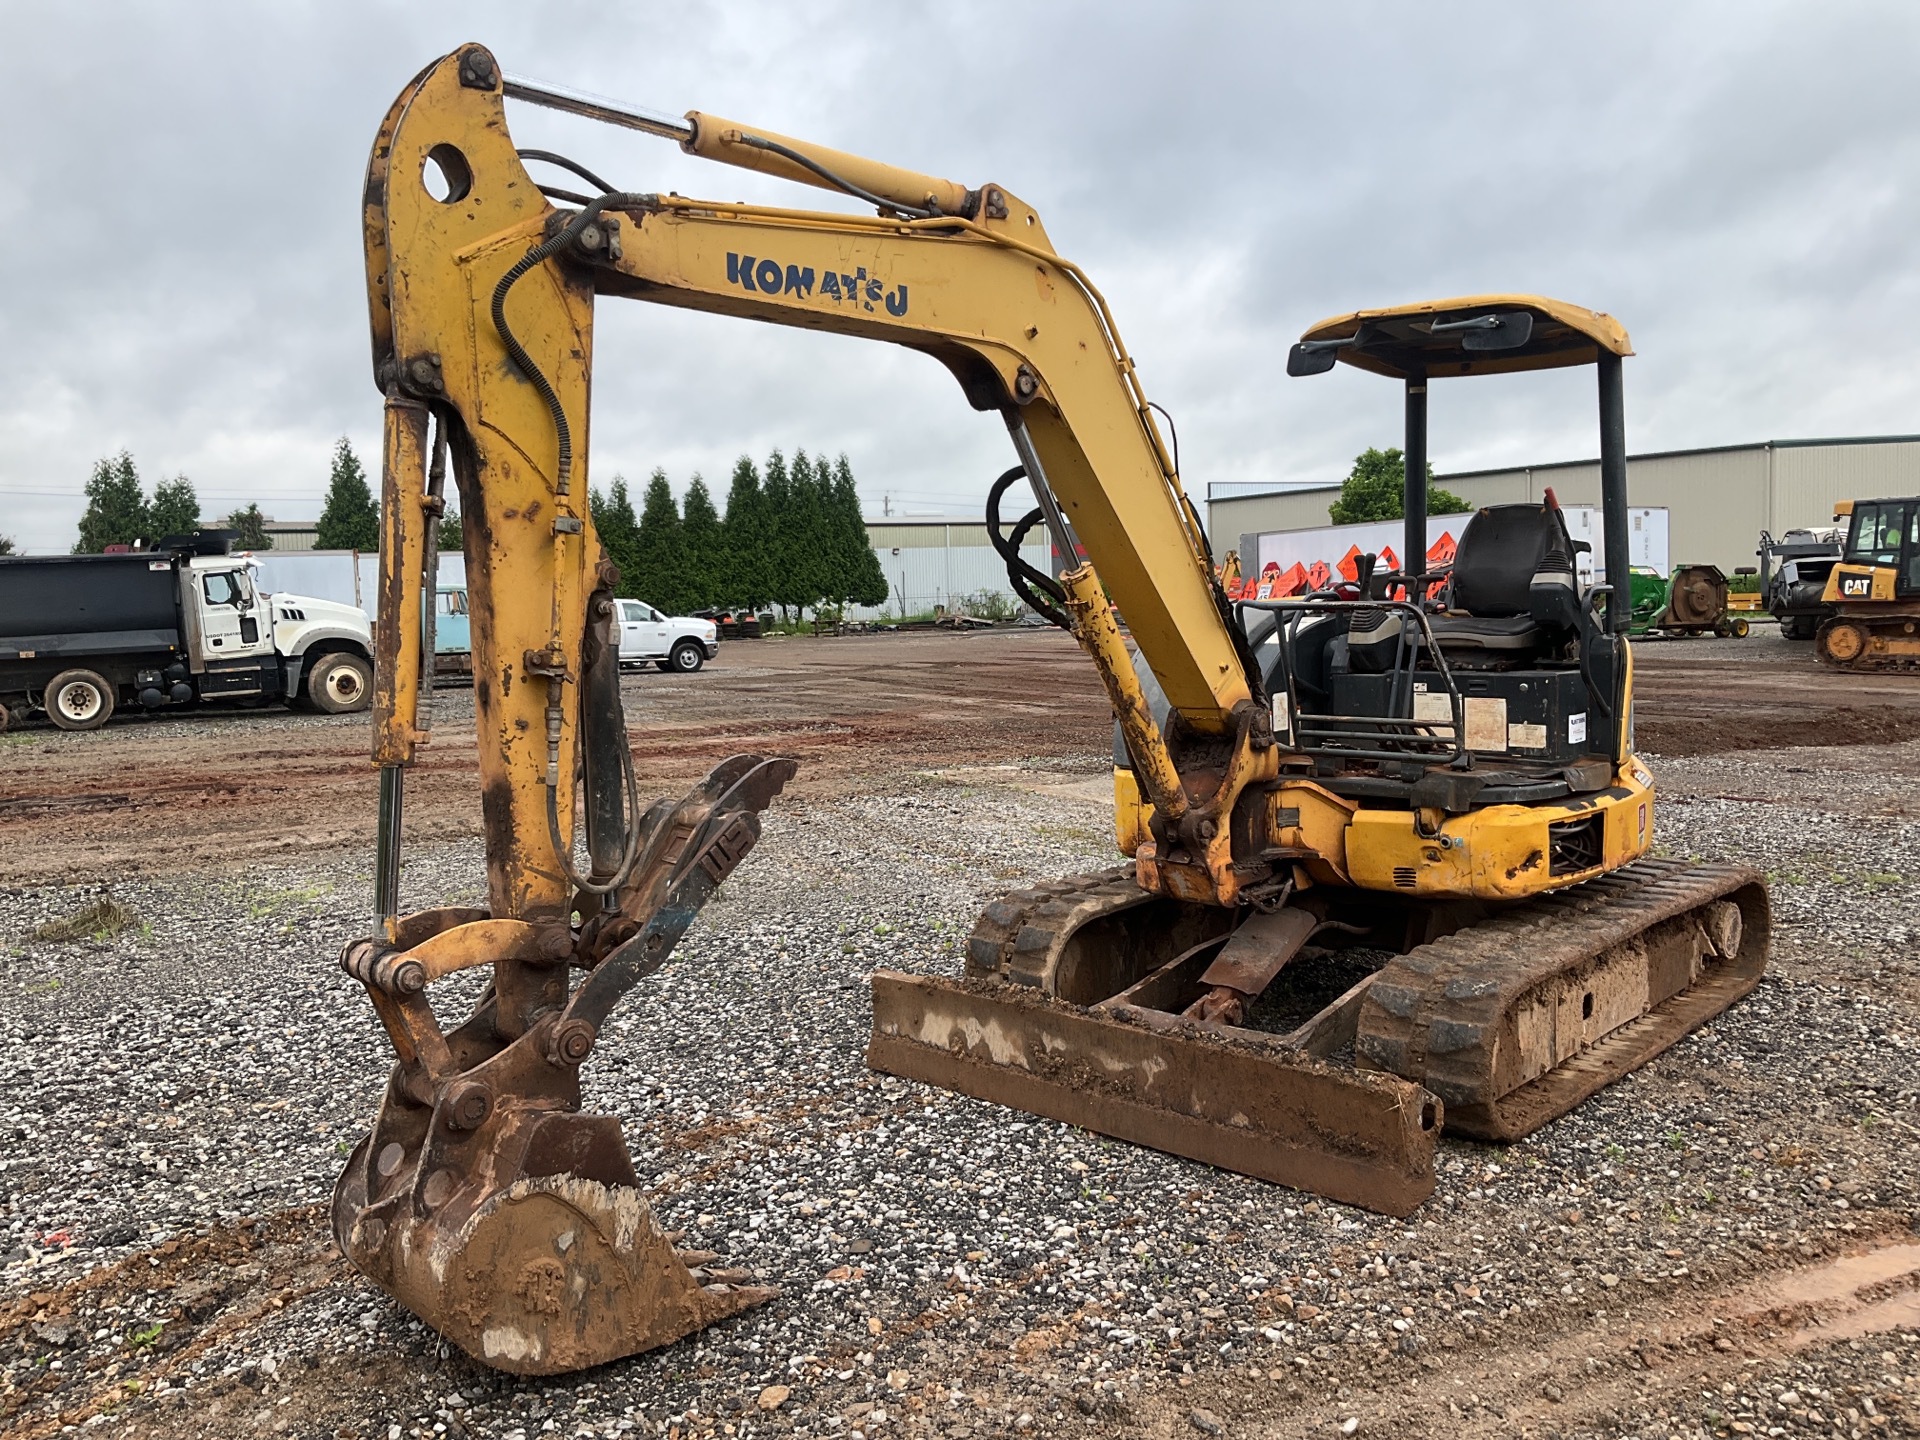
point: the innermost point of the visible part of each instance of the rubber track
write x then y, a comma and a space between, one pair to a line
1018, 938
1435, 1013
1889, 666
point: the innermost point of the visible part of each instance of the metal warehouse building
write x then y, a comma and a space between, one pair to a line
939, 560
1718, 500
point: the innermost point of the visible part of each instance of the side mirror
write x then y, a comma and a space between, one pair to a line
1313, 357
1503, 330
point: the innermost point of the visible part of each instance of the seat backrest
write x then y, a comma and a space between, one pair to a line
1500, 551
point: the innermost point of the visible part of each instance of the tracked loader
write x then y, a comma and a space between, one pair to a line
1873, 589
1435, 765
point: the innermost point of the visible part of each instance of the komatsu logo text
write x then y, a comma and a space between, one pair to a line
770, 277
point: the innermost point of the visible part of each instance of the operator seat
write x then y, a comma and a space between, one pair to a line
1514, 594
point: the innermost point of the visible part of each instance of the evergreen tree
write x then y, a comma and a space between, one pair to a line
747, 540
175, 509
865, 581
777, 491
659, 550
252, 526
116, 511
815, 564
619, 531
350, 520
448, 532
6, 544
705, 546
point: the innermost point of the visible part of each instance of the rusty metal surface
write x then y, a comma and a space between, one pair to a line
1230, 1098
1593, 982
1252, 956
1256, 950
482, 1199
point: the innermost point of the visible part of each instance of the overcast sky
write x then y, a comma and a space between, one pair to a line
180, 257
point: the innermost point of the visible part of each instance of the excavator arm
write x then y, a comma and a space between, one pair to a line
482, 1197
465, 319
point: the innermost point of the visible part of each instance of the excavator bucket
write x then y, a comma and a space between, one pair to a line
482, 1199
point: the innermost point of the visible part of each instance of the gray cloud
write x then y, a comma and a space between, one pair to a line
181, 257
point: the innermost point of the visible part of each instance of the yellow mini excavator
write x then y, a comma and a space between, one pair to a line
1433, 766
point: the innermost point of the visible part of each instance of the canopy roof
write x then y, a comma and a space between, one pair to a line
1399, 341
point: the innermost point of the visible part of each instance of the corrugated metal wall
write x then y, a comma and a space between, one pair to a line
1718, 500
298, 538
1807, 479
922, 576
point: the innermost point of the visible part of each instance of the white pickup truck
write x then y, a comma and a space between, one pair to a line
672, 642
676, 642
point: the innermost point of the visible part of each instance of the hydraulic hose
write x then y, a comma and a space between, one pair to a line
517, 352
552, 158
560, 848
1030, 584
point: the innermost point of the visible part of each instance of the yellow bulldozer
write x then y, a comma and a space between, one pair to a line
1432, 767
1874, 588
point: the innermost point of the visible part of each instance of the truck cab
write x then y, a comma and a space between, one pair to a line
1881, 560
671, 642
229, 622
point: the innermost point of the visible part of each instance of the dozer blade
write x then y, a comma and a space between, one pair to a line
1234, 1098
482, 1200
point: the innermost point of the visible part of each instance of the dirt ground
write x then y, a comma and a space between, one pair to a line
154, 794
150, 798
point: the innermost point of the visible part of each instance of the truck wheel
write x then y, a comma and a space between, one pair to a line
687, 657
78, 700
340, 683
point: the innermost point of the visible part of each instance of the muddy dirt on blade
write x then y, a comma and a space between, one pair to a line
1078, 1006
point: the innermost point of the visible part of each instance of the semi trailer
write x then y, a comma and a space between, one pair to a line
84, 635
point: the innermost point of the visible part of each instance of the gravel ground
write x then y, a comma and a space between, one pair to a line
1673, 1258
